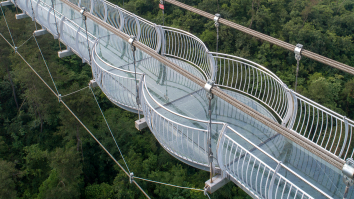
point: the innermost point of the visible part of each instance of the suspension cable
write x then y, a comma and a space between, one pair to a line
290, 134
216, 20
171, 185
83, 10
46, 65
297, 51
25, 42
55, 21
109, 129
267, 38
60, 100
33, 15
208, 86
133, 48
75, 92
7, 26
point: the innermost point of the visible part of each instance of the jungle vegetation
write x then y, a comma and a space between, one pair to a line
45, 152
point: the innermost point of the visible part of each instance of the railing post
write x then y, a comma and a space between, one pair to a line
346, 128
270, 190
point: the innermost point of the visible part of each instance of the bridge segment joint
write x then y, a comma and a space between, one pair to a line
40, 32
21, 16
216, 183
6, 3
65, 53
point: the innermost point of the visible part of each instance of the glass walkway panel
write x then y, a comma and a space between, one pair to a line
261, 161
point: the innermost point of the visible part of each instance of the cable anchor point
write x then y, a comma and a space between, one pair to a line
82, 12
348, 175
131, 42
207, 87
131, 177
216, 19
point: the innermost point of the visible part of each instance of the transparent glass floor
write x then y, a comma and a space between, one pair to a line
181, 100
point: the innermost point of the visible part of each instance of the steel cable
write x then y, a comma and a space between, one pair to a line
110, 155
291, 135
267, 38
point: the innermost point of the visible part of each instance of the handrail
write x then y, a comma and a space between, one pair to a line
267, 38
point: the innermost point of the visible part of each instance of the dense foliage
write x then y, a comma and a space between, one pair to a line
45, 152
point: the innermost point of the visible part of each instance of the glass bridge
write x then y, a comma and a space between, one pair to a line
261, 161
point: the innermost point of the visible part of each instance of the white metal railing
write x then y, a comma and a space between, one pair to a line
315, 122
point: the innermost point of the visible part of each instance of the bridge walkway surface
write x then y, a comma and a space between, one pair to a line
263, 162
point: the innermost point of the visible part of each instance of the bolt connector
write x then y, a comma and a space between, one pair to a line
82, 11
216, 19
131, 177
207, 87
297, 51
131, 41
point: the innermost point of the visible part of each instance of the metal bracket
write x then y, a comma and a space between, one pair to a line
162, 1
131, 177
59, 98
15, 48
82, 11
131, 41
216, 19
207, 87
348, 172
297, 51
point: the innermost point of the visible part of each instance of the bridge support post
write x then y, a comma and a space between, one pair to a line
21, 16
65, 53
348, 175
40, 32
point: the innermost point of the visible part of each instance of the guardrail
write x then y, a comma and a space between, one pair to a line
180, 139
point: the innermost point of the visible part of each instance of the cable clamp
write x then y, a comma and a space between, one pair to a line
216, 19
59, 98
205, 190
82, 11
15, 49
131, 41
207, 87
348, 172
297, 51
131, 177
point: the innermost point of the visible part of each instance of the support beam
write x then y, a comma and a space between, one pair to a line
140, 124
40, 32
65, 53
217, 183
21, 16
6, 3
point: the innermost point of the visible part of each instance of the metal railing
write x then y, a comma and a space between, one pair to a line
313, 121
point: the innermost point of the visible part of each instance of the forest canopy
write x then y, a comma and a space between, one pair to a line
45, 152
